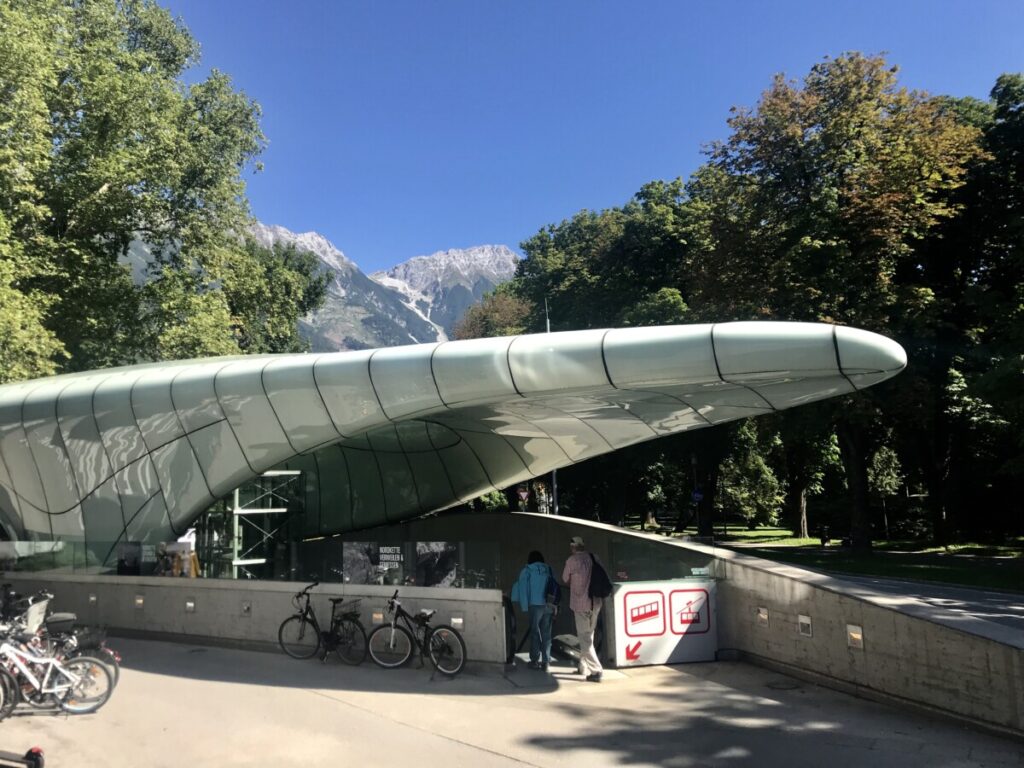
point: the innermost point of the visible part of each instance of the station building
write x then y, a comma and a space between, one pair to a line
357, 469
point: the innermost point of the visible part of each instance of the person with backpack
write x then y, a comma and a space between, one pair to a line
588, 586
538, 594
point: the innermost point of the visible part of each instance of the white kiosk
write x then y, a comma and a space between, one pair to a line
661, 622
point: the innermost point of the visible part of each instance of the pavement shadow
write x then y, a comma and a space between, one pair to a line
230, 665
724, 714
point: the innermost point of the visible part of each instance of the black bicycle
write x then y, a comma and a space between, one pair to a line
300, 635
391, 644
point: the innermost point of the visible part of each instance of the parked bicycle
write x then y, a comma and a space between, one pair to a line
60, 631
300, 636
79, 685
391, 644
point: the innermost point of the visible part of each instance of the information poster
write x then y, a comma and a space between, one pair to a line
437, 564
367, 562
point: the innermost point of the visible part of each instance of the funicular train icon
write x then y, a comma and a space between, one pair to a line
645, 612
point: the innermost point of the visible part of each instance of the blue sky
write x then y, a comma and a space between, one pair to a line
404, 127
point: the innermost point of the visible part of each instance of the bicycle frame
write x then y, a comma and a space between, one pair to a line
307, 612
18, 658
415, 628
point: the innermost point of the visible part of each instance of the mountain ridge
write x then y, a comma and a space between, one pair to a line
417, 301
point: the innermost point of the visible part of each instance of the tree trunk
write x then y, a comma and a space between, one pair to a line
796, 508
706, 506
937, 505
853, 447
803, 514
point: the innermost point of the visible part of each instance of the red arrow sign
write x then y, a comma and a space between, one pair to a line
633, 652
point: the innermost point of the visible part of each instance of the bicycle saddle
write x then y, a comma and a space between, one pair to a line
336, 600
424, 614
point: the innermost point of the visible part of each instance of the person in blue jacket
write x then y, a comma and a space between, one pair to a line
531, 592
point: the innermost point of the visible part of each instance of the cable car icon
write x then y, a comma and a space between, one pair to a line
688, 615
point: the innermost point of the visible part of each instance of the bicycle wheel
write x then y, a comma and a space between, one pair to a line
389, 646
298, 637
351, 637
447, 650
104, 655
93, 688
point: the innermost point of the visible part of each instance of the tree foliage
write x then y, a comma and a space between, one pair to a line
102, 145
843, 198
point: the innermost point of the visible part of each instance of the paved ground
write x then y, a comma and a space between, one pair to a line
1006, 608
181, 705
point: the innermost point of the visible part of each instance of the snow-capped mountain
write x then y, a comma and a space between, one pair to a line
268, 234
442, 286
418, 301
357, 312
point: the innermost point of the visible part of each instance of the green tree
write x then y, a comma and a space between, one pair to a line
499, 313
750, 488
817, 201
806, 449
102, 144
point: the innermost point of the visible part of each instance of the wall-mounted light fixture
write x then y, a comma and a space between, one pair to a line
246, 608
855, 636
92, 598
803, 624
762, 617
140, 601
190, 605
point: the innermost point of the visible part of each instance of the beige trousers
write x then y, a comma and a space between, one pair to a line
586, 623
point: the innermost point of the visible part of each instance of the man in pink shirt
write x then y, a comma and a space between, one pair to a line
584, 608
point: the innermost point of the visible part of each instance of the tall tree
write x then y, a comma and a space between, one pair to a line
103, 144
817, 200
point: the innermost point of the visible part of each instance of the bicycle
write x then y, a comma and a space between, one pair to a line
79, 685
391, 644
300, 635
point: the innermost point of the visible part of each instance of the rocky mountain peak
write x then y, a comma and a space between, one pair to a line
455, 266
268, 234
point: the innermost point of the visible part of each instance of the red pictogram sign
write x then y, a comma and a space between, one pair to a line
691, 611
688, 615
633, 651
644, 612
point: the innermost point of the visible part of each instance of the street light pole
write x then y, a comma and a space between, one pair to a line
554, 472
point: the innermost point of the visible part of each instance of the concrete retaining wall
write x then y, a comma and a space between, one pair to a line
249, 612
904, 656
914, 653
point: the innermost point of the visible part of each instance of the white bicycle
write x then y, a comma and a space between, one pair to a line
79, 685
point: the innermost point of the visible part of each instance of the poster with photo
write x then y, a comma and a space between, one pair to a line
367, 562
129, 558
437, 564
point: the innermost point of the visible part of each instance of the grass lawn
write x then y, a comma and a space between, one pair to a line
968, 564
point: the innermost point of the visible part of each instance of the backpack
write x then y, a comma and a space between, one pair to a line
552, 590
600, 585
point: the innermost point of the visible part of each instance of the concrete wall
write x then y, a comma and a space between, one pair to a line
905, 657
627, 556
249, 612
914, 653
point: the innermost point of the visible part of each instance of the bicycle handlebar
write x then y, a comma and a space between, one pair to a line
306, 590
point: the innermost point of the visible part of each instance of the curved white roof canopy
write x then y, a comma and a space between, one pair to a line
140, 452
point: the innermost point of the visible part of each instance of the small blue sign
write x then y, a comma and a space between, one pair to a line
697, 496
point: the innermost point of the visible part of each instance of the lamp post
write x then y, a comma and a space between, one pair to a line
554, 472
